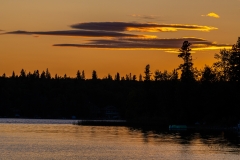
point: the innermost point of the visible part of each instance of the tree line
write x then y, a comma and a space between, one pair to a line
208, 96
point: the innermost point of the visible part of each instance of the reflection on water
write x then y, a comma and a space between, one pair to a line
55, 139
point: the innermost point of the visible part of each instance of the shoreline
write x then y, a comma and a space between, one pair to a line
125, 123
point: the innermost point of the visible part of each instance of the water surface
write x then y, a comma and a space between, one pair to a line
59, 139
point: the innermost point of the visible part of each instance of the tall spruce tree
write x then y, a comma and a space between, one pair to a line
94, 75
13, 75
48, 74
187, 66
147, 73
117, 77
83, 75
78, 75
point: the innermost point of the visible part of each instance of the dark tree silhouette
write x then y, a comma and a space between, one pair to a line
228, 64
94, 75
117, 77
159, 76
222, 65
236, 47
174, 75
48, 75
13, 75
109, 77
56, 76
234, 62
30, 75
122, 78
78, 75
140, 78
127, 77
43, 75
65, 76
147, 73
208, 75
187, 66
134, 78
83, 75
23, 74
36, 74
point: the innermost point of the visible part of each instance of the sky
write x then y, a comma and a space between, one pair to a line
112, 36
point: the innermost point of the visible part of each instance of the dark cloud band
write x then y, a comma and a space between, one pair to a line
83, 33
158, 44
114, 29
148, 27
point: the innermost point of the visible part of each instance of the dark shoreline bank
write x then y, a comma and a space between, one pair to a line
156, 126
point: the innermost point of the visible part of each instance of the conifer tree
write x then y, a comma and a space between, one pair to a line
134, 78
174, 75
13, 75
187, 66
36, 74
48, 74
147, 73
94, 75
228, 64
78, 75
43, 75
127, 77
65, 76
140, 78
83, 75
208, 75
56, 76
234, 62
117, 77
23, 74
109, 77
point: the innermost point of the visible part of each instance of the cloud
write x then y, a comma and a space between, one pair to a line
117, 35
148, 17
83, 33
212, 14
148, 44
141, 27
115, 29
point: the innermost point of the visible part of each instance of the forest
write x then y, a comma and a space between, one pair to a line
184, 96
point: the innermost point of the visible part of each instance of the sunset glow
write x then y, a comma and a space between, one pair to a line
109, 36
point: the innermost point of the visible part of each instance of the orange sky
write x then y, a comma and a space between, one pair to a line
112, 36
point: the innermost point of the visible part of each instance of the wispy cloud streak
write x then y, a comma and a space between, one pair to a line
115, 29
83, 33
154, 44
147, 17
142, 27
212, 14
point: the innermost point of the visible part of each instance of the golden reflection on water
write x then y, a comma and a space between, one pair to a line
67, 141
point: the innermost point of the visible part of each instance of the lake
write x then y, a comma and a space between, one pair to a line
59, 139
